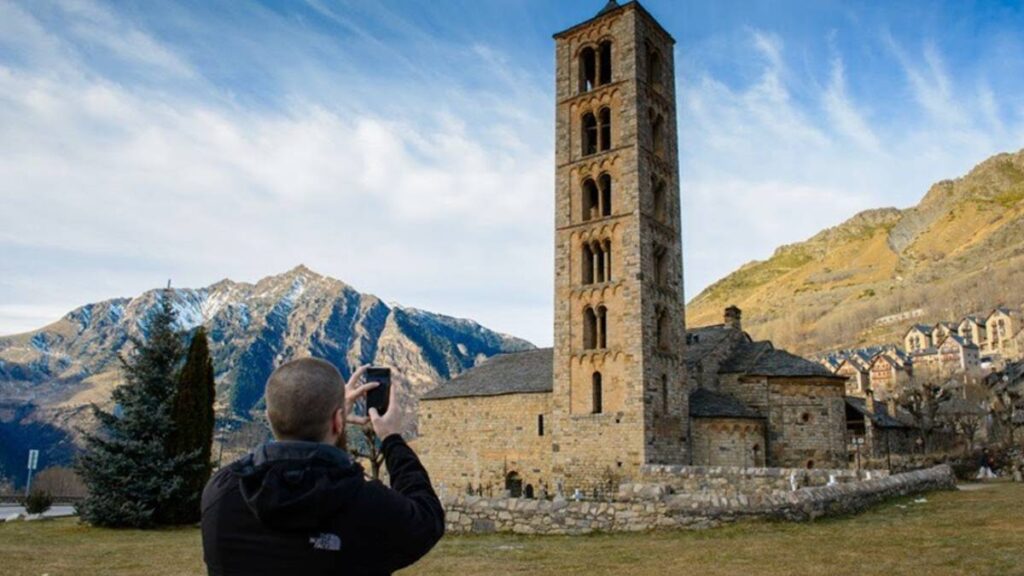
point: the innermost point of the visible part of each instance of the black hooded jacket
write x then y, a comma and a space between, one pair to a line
305, 508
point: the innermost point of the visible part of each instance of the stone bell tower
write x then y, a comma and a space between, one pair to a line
619, 395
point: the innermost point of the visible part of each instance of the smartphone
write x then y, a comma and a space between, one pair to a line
380, 396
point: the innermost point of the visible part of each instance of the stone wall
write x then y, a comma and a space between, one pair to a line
506, 438
806, 417
807, 423
646, 511
727, 442
731, 481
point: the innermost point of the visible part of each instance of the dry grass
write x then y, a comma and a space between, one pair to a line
970, 533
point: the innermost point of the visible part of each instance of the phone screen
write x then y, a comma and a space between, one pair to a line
378, 397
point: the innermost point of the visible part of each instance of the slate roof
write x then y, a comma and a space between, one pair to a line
924, 328
762, 359
517, 373
532, 371
707, 404
880, 417
781, 363
745, 356
963, 343
702, 341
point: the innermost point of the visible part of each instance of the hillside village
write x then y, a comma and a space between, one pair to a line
959, 252
967, 351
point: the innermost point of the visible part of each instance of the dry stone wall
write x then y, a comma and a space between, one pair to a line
730, 480
653, 509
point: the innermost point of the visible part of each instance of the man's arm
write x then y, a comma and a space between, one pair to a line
408, 516
410, 513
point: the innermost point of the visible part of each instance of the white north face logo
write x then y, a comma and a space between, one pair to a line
326, 541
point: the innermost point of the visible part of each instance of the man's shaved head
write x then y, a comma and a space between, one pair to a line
302, 397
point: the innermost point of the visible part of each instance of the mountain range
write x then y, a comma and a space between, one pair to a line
48, 377
959, 251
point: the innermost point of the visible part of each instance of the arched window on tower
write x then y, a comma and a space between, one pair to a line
657, 134
605, 75
588, 69
654, 67
602, 327
607, 250
606, 128
589, 134
660, 266
661, 329
596, 262
606, 194
664, 393
591, 200
589, 329
596, 394
587, 263
660, 208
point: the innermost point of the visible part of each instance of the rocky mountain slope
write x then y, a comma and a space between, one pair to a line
49, 376
959, 251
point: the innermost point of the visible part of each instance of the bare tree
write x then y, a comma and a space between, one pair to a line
60, 482
922, 399
966, 424
1007, 407
366, 447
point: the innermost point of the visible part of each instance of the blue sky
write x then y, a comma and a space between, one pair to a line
406, 147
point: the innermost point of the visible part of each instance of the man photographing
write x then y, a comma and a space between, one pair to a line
300, 505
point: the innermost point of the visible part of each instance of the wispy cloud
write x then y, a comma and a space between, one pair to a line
393, 146
417, 207
774, 159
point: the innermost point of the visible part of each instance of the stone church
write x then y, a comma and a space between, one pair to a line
625, 385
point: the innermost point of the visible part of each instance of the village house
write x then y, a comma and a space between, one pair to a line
972, 329
1003, 327
942, 330
918, 338
854, 369
887, 376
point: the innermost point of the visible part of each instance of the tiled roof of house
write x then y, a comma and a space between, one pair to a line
518, 373
705, 403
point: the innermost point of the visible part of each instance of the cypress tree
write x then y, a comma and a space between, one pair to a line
133, 476
193, 418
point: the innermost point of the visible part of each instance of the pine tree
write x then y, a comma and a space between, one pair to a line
193, 423
134, 478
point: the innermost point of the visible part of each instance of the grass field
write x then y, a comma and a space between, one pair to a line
969, 532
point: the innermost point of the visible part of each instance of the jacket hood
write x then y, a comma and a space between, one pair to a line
297, 486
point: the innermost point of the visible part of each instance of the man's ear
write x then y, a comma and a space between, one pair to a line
338, 421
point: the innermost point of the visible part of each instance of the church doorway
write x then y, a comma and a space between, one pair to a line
514, 485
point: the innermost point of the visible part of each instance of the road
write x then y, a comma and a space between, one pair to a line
56, 511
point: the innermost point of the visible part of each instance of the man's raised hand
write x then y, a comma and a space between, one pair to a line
392, 420
354, 390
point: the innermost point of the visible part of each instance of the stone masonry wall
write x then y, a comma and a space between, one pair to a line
731, 481
471, 514
506, 438
727, 442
